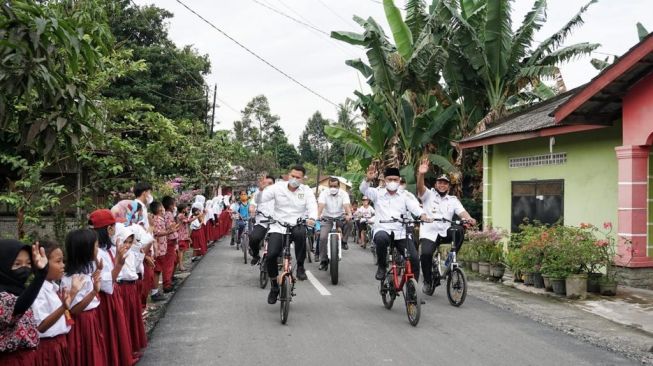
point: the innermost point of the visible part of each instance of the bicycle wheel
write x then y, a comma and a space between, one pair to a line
263, 274
456, 287
284, 296
435, 276
388, 294
309, 243
413, 304
333, 262
244, 244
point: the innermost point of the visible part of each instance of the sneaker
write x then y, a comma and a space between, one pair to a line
380, 273
301, 274
324, 265
158, 297
254, 261
274, 294
345, 246
426, 288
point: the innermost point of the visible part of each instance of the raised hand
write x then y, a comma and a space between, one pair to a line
39, 259
371, 172
121, 253
76, 283
423, 166
96, 281
99, 265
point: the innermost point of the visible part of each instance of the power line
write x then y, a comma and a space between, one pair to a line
334, 12
255, 54
293, 19
296, 12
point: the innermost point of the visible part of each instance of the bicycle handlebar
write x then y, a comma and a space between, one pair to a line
332, 219
402, 220
455, 222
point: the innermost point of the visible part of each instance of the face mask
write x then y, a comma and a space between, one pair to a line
294, 182
150, 199
392, 186
21, 274
333, 191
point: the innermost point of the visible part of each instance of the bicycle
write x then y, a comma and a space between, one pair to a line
455, 276
400, 277
334, 245
286, 278
309, 244
244, 239
262, 264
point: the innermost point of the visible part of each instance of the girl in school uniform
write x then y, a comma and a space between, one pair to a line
128, 279
18, 329
171, 227
51, 310
112, 313
183, 219
160, 233
86, 345
197, 234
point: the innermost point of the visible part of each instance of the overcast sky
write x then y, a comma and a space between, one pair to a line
318, 61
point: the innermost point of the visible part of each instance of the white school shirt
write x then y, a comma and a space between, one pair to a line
388, 206
267, 208
86, 288
365, 213
141, 238
438, 207
195, 225
288, 206
45, 304
106, 279
334, 205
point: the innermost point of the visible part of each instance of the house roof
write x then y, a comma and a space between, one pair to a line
600, 100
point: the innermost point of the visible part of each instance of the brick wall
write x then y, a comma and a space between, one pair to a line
43, 230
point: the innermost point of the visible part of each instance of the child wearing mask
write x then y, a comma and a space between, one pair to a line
18, 329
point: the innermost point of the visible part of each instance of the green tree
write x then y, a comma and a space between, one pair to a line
256, 125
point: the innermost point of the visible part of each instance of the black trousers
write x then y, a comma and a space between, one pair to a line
382, 241
256, 238
428, 247
275, 246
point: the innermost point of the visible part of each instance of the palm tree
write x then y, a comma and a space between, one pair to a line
347, 116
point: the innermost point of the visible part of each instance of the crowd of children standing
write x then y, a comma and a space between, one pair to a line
85, 301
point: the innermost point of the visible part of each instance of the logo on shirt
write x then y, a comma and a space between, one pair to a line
300, 196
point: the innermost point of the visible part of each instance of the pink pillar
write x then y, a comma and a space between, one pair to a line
632, 215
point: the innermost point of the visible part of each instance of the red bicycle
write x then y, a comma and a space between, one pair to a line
400, 277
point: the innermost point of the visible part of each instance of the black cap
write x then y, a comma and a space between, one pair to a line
391, 172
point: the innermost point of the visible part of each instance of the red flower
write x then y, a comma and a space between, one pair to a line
607, 225
601, 243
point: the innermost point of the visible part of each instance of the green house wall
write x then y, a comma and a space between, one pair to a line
590, 176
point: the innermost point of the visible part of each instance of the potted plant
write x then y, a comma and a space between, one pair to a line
513, 261
484, 259
497, 267
556, 265
484, 243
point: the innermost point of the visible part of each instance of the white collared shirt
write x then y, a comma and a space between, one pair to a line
365, 213
389, 206
86, 288
106, 278
46, 303
334, 205
438, 207
266, 208
141, 238
144, 218
288, 206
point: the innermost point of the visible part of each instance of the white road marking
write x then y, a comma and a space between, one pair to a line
318, 286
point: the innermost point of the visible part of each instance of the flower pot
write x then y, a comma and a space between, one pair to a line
497, 270
538, 281
475, 266
558, 285
484, 268
576, 285
516, 277
608, 288
528, 278
593, 282
547, 283
468, 265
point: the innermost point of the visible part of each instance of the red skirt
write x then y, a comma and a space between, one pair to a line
184, 244
215, 229
207, 231
85, 340
114, 329
147, 284
52, 352
197, 236
19, 358
133, 315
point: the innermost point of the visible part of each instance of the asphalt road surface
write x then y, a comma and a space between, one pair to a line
221, 317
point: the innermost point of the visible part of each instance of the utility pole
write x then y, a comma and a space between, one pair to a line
215, 94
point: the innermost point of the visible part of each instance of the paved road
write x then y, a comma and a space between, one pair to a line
220, 317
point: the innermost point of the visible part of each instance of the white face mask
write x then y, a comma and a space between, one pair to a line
150, 199
333, 191
294, 182
392, 186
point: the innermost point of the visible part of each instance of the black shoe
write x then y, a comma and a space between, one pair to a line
422, 301
426, 288
158, 297
380, 273
232, 244
273, 295
324, 265
345, 246
301, 274
255, 261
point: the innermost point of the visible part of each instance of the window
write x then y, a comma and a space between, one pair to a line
538, 160
541, 201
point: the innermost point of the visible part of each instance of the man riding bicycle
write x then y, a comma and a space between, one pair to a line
260, 229
241, 213
333, 203
390, 204
438, 204
365, 215
291, 200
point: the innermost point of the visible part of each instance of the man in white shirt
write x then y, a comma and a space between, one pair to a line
258, 211
291, 200
389, 204
333, 203
438, 204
